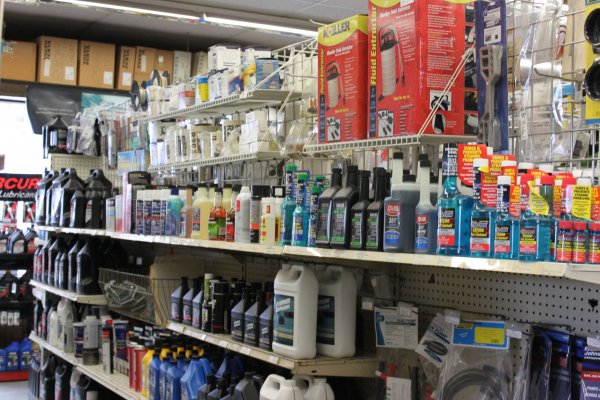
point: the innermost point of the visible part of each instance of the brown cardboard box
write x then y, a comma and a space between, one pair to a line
125, 67
164, 62
144, 63
57, 60
18, 61
96, 65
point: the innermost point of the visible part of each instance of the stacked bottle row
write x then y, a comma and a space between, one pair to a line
313, 313
73, 264
63, 199
15, 241
16, 356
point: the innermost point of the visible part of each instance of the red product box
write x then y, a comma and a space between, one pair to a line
343, 95
414, 49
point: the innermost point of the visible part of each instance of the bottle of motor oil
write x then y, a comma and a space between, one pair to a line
342, 204
41, 195
72, 265
96, 193
61, 381
317, 189
425, 214
177, 300
207, 305
73, 185
252, 320
15, 243
220, 308
47, 378
230, 222
392, 226
53, 251
238, 315
197, 305
207, 388
374, 214
87, 269
287, 207
188, 299
358, 221
78, 207
62, 269
324, 213
45, 260
49, 196
266, 323
53, 218
30, 247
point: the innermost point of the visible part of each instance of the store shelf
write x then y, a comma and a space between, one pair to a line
116, 382
97, 299
388, 142
242, 102
322, 366
262, 156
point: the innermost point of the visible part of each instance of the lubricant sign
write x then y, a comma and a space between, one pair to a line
18, 186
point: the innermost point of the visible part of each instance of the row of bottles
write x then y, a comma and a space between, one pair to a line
16, 241
63, 199
16, 356
317, 311
13, 289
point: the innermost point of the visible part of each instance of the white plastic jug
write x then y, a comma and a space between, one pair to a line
278, 388
295, 312
319, 390
304, 382
336, 323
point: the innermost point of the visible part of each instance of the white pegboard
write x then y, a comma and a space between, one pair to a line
83, 165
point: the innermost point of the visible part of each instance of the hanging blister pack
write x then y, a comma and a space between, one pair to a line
397, 327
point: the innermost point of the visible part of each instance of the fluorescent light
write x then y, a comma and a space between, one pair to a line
256, 25
129, 9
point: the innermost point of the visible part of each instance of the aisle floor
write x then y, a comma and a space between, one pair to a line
18, 390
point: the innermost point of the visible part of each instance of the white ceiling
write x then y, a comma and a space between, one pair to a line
27, 21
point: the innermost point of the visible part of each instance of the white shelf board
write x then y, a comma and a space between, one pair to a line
323, 366
116, 382
97, 299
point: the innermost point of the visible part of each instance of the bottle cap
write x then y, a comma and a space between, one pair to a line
547, 180
508, 163
580, 225
481, 162
424, 163
504, 180
291, 168
595, 227
565, 224
525, 166
547, 168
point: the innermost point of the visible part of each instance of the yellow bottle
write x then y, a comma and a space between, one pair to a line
200, 212
146, 360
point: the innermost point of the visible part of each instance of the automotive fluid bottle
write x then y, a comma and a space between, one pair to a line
301, 215
230, 223
313, 210
203, 214
72, 260
173, 213
341, 204
252, 320
197, 306
529, 225
425, 214
53, 253
506, 236
220, 308
324, 213
358, 220
217, 218
393, 210
258, 192
187, 303
268, 222
154, 377
238, 314
287, 207
43, 189
96, 192
73, 185
266, 324
207, 388
483, 218
242, 215
247, 388
177, 300
173, 384
53, 218
193, 379
87, 269
375, 215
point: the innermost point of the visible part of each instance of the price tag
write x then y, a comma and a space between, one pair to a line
511, 333
452, 316
246, 350
202, 337
273, 359
593, 342
223, 344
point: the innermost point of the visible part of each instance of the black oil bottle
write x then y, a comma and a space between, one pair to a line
53, 251
252, 320
72, 265
60, 264
53, 217
341, 205
78, 204
374, 214
177, 300
266, 320
68, 191
220, 308
45, 260
325, 207
96, 193
87, 269
188, 310
358, 219
197, 306
44, 186
238, 314
64, 267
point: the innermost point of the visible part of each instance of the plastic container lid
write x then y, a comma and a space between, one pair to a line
504, 180
595, 227
584, 182
526, 178
481, 162
565, 224
525, 166
547, 180
580, 225
547, 168
508, 163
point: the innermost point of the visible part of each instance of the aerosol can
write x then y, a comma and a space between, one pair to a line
335, 85
390, 50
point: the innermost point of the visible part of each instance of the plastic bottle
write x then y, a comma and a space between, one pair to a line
53, 252
580, 242
295, 318
278, 388
65, 334
325, 209
220, 307
47, 378
425, 214
238, 314
163, 375
154, 377
320, 389
185, 215
564, 242
221, 391
97, 191
341, 204
217, 218
567, 197
53, 327
173, 214
313, 209
44, 320
242, 216
53, 217
483, 218
301, 215
193, 379
594, 243
266, 324
25, 354
248, 388
288, 206
392, 236
177, 300
173, 383
43, 188
73, 184
87, 388
230, 222
207, 388
506, 235
146, 361
72, 268
12, 355
268, 222
454, 210
197, 306
252, 320
258, 192
74, 379
336, 317
200, 214
61, 382
90, 340
207, 305
87, 269
358, 219
374, 214
187, 314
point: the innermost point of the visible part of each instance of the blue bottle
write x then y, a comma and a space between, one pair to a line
506, 234
173, 214
315, 193
12, 356
194, 377
534, 229
547, 193
483, 218
25, 354
154, 376
425, 214
173, 383
182, 363
454, 210
164, 371
301, 215
287, 207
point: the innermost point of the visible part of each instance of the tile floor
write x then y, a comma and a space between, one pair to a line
14, 390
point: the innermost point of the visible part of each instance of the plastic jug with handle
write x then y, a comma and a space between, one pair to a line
278, 388
319, 390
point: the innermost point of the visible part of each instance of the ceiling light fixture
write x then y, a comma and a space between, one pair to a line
258, 26
129, 9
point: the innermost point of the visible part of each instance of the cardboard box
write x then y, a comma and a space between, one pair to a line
414, 49
19, 61
57, 60
199, 63
164, 62
96, 66
257, 70
182, 65
222, 56
144, 63
343, 93
125, 67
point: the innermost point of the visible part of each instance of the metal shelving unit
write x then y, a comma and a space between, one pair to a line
248, 157
321, 366
97, 299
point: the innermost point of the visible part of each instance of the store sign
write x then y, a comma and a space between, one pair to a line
18, 186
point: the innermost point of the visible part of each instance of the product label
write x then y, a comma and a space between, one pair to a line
579, 247
421, 229
582, 202
537, 203
594, 249
466, 154
596, 203
196, 316
322, 223
266, 336
216, 228
183, 224
338, 222
283, 320
12, 360
391, 225
564, 246
169, 388
254, 221
298, 231
250, 332
237, 327
196, 219
480, 234
515, 201
187, 314
357, 233
557, 201
326, 320
447, 227
157, 227
372, 241
502, 234
175, 311
450, 162
152, 383
527, 239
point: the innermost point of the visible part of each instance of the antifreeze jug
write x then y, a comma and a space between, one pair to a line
295, 318
278, 388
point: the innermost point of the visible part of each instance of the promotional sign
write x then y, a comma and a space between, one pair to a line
18, 187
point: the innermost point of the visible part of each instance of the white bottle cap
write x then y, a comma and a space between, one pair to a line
558, 182
525, 166
538, 181
547, 168
490, 150
504, 180
481, 162
584, 182
508, 163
